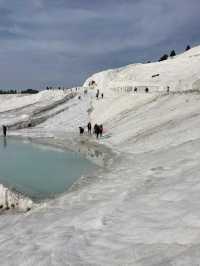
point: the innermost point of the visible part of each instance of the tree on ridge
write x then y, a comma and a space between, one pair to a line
173, 53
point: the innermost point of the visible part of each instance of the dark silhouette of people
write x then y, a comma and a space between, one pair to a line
81, 130
96, 130
147, 90
89, 126
4, 130
97, 94
102, 95
167, 89
100, 130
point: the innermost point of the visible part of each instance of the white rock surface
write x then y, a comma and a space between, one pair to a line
145, 209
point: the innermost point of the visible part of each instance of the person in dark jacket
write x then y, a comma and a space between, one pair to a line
96, 130
168, 89
4, 130
81, 130
97, 94
100, 130
89, 126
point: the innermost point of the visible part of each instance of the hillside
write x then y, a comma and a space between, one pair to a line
144, 208
134, 116
179, 73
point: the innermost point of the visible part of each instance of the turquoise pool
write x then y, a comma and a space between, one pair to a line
38, 171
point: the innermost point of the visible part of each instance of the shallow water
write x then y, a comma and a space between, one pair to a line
39, 171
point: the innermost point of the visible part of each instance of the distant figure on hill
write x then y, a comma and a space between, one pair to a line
97, 94
89, 126
4, 130
81, 130
167, 89
102, 95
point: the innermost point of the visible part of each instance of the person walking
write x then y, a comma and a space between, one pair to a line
89, 126
96, 130
168, 89
81, 130
97, 94
4, 130
101, 130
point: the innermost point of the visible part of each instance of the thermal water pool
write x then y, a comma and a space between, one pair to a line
39, 171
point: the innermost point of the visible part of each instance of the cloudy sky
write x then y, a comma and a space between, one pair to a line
61, 42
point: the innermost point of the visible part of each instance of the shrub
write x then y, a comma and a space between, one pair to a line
29, 91
164, 57
187, 48
173, 53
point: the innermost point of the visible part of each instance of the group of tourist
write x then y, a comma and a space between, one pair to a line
147, 89
98, 94
97, 130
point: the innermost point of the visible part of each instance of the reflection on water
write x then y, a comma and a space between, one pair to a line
98, 155
4, 142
